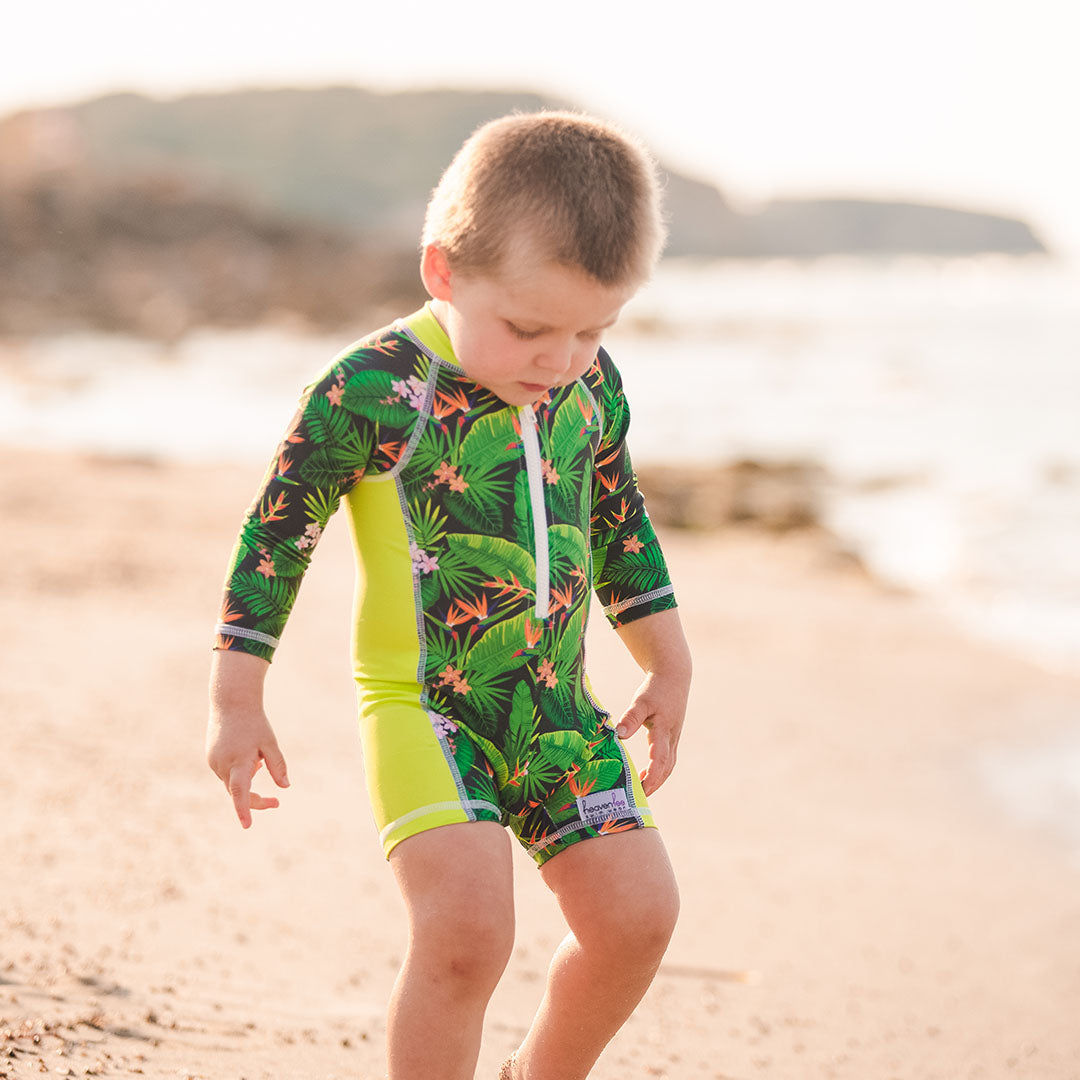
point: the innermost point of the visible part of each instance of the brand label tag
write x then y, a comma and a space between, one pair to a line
603, 806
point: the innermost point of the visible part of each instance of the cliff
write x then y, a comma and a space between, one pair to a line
131, 213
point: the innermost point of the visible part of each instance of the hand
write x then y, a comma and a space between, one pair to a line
238, 743
660, 706
657, 643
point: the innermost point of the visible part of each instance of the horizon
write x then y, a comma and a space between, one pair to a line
774, 102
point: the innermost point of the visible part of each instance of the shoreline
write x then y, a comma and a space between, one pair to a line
856, 902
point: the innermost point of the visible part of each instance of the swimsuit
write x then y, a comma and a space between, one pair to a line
479, 529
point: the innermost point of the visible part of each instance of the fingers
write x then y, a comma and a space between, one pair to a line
631, 720
661, 764
239, 785
244, 799
275, 763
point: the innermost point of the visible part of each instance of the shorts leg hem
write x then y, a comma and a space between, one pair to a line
551, 846
432, 817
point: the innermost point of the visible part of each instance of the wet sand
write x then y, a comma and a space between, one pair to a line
856, 903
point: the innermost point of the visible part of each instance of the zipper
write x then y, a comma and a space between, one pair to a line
534, 468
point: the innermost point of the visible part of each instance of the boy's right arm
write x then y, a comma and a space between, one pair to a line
239, 738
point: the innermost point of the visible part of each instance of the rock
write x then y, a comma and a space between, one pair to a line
775, 497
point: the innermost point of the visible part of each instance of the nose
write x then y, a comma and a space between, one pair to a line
557, 359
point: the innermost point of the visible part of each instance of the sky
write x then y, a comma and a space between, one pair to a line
967, 102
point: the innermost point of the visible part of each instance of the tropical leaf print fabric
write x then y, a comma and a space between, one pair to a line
511, 515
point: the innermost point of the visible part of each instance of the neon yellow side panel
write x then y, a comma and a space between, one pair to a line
386, 641
639, 792
409, 784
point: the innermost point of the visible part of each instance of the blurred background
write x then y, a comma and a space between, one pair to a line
871, 277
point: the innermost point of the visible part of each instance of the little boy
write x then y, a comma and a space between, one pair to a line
479, 448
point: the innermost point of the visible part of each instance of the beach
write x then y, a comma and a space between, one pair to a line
858, 902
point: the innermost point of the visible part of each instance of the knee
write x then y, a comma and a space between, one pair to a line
469, 946
651, 919
638, 928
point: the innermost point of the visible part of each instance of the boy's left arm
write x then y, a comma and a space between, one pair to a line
659, 646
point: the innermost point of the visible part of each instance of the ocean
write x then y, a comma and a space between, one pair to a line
942, 398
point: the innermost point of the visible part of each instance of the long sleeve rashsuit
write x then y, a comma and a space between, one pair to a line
479, 529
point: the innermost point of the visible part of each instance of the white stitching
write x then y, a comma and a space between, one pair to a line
644, 598
240, 631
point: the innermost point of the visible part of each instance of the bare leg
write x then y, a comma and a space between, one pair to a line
457, 882
620, 899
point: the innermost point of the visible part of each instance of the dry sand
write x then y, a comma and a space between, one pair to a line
856, 904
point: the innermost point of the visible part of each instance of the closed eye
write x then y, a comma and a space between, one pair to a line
523, 335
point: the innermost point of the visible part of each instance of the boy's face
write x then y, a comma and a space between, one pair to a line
535, 325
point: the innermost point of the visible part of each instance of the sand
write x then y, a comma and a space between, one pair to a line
857, 903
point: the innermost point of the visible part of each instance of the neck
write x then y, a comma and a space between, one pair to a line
439, 310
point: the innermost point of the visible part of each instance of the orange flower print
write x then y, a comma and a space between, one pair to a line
230, 614
387, 346
266, 567
335, 394
550, 475
458, 484
521, 770
450, 675
579, 788
610, 827
633, 544
392, 450
513, 587
273, 509
546, 674
445, 405
533, 633
562, 598
478, 609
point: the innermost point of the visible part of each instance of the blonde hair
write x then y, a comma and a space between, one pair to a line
585, 192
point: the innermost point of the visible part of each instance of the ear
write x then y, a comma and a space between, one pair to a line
435, 272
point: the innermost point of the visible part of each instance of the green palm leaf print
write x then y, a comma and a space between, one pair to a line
493, 556
491, 439
538, 778
264, 596
371, 394
640, 571
320, 505
325, 423
570, 644
522, 510
495, 758
428, 524
289, 561
501, 649
482, 505
562, 748
521, 726
327, 467
457, 575
568, 550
